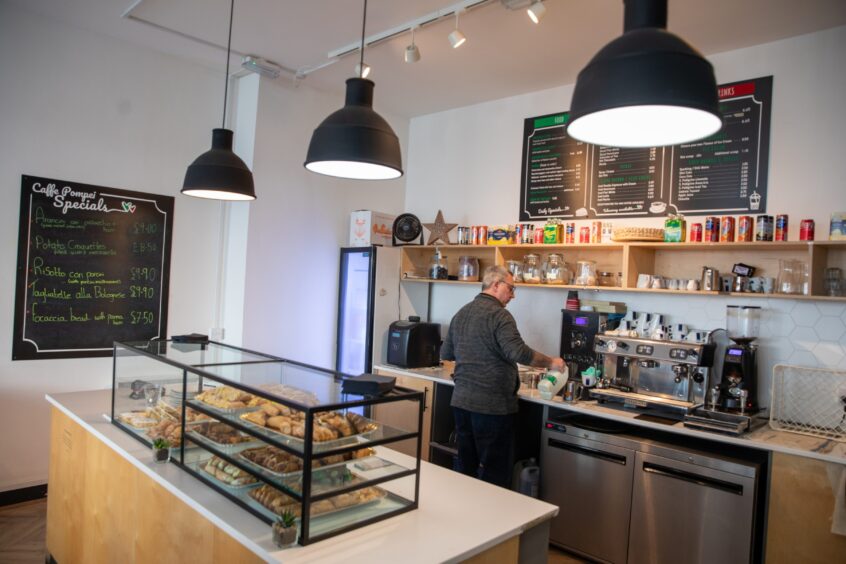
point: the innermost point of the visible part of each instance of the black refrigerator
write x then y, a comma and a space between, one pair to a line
368, 302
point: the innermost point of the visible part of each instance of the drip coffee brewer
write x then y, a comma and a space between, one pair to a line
738, 387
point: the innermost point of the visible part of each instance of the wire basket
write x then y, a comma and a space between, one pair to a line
809, 401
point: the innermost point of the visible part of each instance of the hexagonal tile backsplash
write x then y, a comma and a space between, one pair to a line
800, 332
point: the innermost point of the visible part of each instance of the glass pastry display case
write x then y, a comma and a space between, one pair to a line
274, 435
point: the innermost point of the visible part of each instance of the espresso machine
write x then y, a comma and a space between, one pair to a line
664, 378
738, 386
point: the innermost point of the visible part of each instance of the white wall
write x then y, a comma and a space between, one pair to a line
93, 109
298, 224
467, 162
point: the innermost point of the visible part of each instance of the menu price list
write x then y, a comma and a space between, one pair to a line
554, 169
93, 268
724, 173
727, 172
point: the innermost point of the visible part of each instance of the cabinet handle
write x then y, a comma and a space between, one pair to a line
697, 479
608, 456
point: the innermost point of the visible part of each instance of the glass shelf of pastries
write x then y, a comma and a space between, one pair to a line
274, 435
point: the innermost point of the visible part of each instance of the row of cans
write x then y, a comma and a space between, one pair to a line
527, 234
761, 228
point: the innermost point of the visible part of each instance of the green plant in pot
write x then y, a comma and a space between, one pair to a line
161, 450
285, 529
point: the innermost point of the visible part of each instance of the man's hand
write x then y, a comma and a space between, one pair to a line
556, 363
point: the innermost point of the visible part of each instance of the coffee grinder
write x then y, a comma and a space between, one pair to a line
738, 387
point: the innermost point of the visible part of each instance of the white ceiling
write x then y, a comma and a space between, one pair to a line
505, 53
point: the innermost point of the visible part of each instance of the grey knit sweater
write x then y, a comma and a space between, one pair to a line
485, 344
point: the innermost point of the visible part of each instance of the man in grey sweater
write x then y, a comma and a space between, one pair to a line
486, 346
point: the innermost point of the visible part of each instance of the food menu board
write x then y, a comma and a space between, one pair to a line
724, 173
93, 268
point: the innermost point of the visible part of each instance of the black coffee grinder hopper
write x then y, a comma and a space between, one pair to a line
737, 390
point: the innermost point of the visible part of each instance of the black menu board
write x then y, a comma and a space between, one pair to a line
724, 173
93, 268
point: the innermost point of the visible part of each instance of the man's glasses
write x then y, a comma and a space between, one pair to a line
510, 286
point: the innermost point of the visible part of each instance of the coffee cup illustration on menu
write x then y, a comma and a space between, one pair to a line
755, 201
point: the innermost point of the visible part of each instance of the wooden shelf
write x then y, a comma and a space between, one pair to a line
671, 260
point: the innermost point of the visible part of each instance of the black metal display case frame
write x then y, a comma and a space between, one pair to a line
306, 497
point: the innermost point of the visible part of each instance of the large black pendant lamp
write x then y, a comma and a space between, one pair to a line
220, 174
647, 88
356, 142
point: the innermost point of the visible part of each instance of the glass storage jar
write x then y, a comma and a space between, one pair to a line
555, 270
438, 267
585, 273
606, 279
468, 269
532, 269
515, 267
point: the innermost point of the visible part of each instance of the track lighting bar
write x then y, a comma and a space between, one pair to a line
432, 17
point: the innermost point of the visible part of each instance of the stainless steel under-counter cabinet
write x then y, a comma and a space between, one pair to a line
691, 508
591, 482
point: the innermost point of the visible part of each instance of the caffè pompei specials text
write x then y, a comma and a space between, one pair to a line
65, 197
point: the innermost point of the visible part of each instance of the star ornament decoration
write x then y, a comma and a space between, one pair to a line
439, 230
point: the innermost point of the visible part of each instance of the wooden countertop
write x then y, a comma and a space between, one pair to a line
458, 517
764, 438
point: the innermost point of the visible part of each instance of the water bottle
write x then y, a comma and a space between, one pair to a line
529, 479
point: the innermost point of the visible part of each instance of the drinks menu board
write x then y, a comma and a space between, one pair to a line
724, 173
93, 268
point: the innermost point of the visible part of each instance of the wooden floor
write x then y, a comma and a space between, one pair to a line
23, 532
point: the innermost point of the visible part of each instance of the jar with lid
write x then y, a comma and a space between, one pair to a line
531, 269
468, 269
438, 266
515, 267
555, 270
606, 279
585, 273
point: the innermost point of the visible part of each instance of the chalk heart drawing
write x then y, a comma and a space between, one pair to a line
128, 207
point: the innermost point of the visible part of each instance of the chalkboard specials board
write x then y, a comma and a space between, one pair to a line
722, 174
93, 268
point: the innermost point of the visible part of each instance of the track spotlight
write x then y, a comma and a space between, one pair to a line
536, 11
362, 70
456, 38
412, 53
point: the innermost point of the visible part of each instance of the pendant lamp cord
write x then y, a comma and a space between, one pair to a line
361, 50
228, 49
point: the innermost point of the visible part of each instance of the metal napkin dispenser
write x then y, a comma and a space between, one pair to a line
661, 376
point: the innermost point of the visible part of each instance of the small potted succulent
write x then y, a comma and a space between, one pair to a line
285, 529
161, 450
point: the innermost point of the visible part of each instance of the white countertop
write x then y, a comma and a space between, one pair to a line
457, 516
764, 438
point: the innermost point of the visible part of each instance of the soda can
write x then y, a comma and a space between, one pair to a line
570, 233
538, 236
781, 227
518, 233
727, 229
474, 235
527, 233
806, 230
483, 234
764, 228
596, 232
584, 234
712, 229
696, 233
745, 225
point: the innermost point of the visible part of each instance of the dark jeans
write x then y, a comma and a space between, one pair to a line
485, 445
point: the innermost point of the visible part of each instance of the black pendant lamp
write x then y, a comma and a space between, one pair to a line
356, 142
647, 88
220, 174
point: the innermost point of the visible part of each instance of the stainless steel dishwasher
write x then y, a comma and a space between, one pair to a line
624, 498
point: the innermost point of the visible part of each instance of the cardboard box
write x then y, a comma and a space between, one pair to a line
370, 228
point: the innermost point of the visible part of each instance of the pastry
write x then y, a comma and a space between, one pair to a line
257, 417
227, 473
